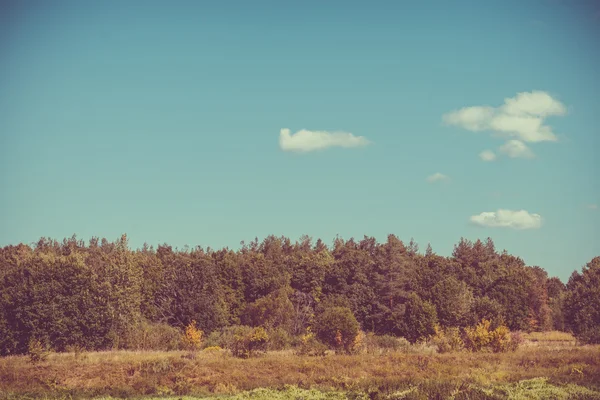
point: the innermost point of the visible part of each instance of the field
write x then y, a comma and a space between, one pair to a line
547, 366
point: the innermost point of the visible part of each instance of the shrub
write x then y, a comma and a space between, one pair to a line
192, 337
248, 342
215, 339
477, 337
310, 346
500, 339
279, 339
382, 344
447, 340
359, 344
37, 351
338, 328
482, 337
152, 336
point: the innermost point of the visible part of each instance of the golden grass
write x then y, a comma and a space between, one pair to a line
126, 373
551, 336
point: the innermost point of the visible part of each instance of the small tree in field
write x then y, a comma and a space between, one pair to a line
247, 341
192, 338
37, 351
338, 328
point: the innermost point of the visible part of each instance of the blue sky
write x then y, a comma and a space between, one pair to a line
162, 120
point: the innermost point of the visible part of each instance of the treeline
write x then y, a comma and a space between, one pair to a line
97, 295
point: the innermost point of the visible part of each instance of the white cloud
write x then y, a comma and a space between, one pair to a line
471, 118
508, 219
592, 206
521, 117
305, 140
437, 177
516, 149
487, 155
533, 103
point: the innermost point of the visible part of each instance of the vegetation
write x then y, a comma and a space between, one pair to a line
338, 328
417, 371
582, 303
103, 295
397, 320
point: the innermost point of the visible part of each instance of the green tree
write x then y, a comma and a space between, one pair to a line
582, 303
556, 299
191, 290
391, 280
453, 300
337, 327
275, 310
418, 320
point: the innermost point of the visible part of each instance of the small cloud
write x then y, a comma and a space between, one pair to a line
508, 219
487, 155
437, 177
521, 117
305, 140
592, 206
516, 149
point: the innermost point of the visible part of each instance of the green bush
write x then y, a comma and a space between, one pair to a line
152, 336
248, 342
279, 339
338, 328
384, 343
310, 346
447, 340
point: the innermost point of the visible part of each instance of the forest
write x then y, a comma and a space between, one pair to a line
105, 296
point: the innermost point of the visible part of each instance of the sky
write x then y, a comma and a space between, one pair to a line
212, 122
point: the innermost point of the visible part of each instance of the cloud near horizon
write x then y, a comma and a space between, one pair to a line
521, 117
304, 140
508, 219
437, 177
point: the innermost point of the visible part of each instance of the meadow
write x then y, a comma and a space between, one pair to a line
547, 365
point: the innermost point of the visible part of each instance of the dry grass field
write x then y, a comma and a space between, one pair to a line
410, 373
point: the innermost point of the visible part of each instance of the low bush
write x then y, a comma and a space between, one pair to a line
37, 351
338, 328
383, 343
222, 338
192, 337
482, 337
279, 339
152, 336
310, 346
248, 342
447, 340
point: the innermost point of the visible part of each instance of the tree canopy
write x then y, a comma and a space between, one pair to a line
73, 293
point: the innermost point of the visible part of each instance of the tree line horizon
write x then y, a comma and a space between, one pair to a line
95, 295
